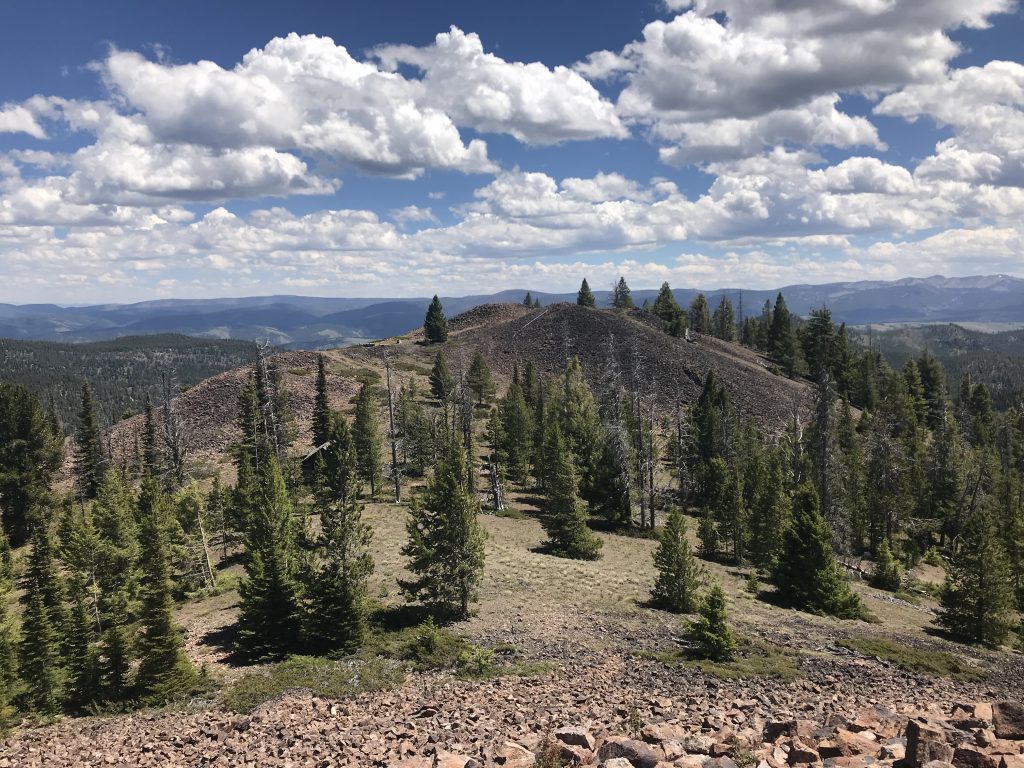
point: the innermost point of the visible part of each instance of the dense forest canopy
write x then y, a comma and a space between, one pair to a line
122, 373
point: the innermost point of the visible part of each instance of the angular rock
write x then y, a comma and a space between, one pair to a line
793, 729
617, 762
1008, 719
697, 744
445, 759
639, 754
659, 732
967, 756
926, 743
513, 755
575, 736
801, 754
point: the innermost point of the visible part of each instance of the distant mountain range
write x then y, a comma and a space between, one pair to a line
302, 322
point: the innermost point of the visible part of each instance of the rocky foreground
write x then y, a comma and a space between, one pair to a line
619, 712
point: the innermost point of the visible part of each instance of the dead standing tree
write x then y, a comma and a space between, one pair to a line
396, 472
612, 393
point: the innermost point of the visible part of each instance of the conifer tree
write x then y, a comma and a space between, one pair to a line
31, 453
622, 297
10, 684
516, 435
435, 326
40, 659
536, 303
117, 551
723, 322
336, 615
268, 623
338, 473
164, 670
478, 378
580, 423
887, 573
679, 573
700, 314
446, 543
321, 405
42, 577
665, 305
807, 575
367, 440
527, 300
116, 653
585, 297
6, 559
83, 659
89, 460
977, 598
565, 513
442, 383
710, 634
707, 533
781, 337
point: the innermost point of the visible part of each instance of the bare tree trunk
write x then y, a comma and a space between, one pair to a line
650, 466
206, 552
174, 441
497, 498
396, 474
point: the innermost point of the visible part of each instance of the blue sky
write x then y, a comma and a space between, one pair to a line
347, 148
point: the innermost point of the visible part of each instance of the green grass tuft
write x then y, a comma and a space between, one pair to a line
928, 663
754, 658
324, 677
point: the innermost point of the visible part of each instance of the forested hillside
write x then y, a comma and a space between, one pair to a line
438, 503
996, 359
121, 372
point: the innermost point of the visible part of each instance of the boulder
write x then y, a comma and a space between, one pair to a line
575, 736
792, 729
967, 756
848, 744
926, 743
638, 753
801, 754
1008, 718
513, 755
617, 762
659, 732
697, 744
445, 759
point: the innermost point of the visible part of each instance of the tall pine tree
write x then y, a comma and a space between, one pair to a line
164, 670
435, 326
269, 621
336, 611
446, 543
585, 297
622, 297
807, 575
89, 459
679, 573
977, 598
565, 513
367, 440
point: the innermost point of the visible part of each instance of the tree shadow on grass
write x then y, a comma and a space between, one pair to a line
225, 640
395, 618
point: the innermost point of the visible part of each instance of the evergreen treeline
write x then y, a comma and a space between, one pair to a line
123, 373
